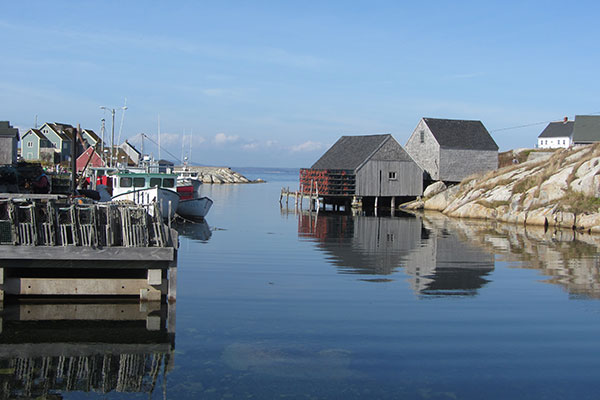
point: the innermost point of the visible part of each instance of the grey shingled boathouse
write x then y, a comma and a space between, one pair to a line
452, 149
364, 169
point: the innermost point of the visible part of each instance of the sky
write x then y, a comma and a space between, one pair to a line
276, 83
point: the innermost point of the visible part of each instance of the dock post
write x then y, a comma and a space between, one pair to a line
172, 295
1, 287
310, 196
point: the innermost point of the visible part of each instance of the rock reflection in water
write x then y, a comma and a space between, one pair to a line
100, 347
437, 260
568, 257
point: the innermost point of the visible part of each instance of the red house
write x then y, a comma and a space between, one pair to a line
95, 161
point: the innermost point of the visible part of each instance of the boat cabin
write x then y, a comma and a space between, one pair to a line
124, 182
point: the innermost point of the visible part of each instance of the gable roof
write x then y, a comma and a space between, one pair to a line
57, 130
350, 152
37, 133
92, 134
129, 146
461, 134
558, 129
586, 129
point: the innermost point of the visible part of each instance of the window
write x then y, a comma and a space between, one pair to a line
29, 144
168, 182
392, 175
154, 182
139, 182
125, 182
422, 134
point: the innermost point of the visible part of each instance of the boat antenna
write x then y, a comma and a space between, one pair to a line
122, 118
190, 151
159, 136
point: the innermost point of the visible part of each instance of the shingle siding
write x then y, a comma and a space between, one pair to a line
456, 165
427, 153
451, 150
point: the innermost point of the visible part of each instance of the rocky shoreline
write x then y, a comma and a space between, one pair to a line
220, 175
559, 190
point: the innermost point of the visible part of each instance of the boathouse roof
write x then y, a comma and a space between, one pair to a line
558, 129
586, 129
461, 134
350, 152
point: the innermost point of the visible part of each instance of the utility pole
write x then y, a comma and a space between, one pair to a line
103, 143
112, 134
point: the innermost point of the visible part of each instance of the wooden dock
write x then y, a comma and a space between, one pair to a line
49, 247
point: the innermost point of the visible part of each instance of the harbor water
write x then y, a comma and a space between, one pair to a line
278, 303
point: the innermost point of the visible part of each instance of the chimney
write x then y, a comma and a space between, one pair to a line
565, 120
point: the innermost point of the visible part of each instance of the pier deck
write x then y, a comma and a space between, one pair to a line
49, 248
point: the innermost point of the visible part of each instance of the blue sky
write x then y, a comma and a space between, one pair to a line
276, 83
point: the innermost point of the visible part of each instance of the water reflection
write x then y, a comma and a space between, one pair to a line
198, 230
436, 259
90, 347
568, 257
446, 256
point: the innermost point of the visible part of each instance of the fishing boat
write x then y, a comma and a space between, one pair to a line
194, 208
192, 205
146, 189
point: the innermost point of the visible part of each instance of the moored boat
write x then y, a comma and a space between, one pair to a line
146, 189
194, 208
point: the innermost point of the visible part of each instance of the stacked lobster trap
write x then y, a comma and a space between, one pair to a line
48, 223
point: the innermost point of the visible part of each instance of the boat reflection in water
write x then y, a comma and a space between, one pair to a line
48, 348
436, 260
194, 230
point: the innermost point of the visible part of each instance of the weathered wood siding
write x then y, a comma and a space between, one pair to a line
456, 165
8, 150
373, 179
426, 153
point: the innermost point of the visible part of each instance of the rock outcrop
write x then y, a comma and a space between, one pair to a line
220, 175
559, 191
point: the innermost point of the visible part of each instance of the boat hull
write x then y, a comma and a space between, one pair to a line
168, 200
194, 208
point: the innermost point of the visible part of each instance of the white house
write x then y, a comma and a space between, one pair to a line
557, 135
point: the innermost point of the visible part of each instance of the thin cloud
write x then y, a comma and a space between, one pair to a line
307, 146
221, 138
250, 146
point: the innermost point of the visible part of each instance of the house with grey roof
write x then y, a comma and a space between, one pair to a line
556, 135
452, 149
372, 166
9, 139
60, 135
586, 129
134, 155
90, 138
35, 146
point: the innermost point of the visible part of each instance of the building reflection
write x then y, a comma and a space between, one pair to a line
437, 261
57, 347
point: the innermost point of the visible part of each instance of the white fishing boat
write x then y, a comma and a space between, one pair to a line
146, 189
194, 208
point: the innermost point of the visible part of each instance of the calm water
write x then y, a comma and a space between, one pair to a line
278, 304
